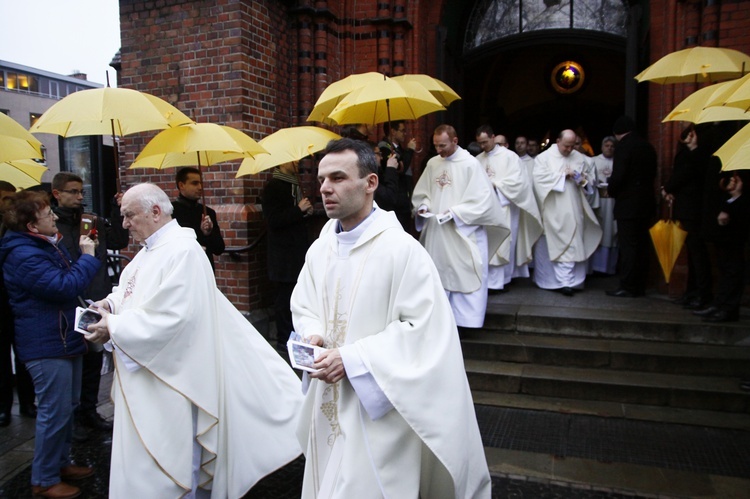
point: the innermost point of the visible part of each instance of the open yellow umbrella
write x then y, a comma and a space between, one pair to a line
668, 238
105, 111
442, 92
695, 107
196, 144
287, 145
336, 91
22, 173
16, 142
734, 94
696, 65
385, 101
735, 153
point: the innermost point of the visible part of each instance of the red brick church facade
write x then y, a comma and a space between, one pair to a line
260, 65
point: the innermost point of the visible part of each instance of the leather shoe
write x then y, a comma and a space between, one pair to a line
696, 304
567, 291
58, 491
622, 293
73, 472
4, 419
722, 316
28, 410
706, 311
94, 421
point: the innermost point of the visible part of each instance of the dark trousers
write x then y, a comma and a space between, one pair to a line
635, 251
730, 261
90, 378
282, 312
24, 385
700, 282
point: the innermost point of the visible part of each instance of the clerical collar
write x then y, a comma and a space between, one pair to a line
494, 150
151, 240
453, 156
347, 239
340, 229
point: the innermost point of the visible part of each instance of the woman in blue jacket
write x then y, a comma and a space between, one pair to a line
42, 285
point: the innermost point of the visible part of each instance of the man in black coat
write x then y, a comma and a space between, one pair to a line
67, 189
632, 187
286, 211
189, 212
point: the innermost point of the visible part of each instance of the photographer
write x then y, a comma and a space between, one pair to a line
392, 146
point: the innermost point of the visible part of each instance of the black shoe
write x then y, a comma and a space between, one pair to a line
706, 311
4, 419
567, 291
80, 434
28, 411
683, 300
722, 316
622, 293
696, 304
497, 291
94, 421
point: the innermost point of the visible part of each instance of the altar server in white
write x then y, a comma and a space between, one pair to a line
462, 226
389, 413
520, 211
204, 406
563, 186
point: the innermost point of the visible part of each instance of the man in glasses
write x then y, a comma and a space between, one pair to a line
67, 189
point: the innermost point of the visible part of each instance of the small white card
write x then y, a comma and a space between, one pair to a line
303, 355
84, 318
445, 217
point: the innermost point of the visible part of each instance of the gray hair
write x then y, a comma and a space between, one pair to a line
149, 195
609, 138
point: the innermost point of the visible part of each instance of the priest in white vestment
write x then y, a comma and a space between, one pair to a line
604, 259
522, 149
520, 211
204, 406
461, 223
389, 412
571, 231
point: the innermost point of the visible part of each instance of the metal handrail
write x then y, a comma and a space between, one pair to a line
234, 252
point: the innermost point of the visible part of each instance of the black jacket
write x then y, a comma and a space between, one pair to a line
287, 231
189, 213
686, 185
632, 179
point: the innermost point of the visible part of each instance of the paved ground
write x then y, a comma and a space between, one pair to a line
591, 445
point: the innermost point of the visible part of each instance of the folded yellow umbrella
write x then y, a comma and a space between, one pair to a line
668, 238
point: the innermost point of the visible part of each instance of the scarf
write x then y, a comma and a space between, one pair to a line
292, 179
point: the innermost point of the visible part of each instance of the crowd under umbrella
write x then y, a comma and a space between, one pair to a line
109, 111
22, 173
197, 144
698, 107
287, 145
16, 142
697, 65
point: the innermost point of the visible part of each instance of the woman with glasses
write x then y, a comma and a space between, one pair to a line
42, 284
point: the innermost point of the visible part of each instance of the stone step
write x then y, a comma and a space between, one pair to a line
628, 355
668, 324
631, 387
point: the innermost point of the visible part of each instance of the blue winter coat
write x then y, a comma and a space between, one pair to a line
42, 284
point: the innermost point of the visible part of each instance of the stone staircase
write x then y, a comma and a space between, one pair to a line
654, 363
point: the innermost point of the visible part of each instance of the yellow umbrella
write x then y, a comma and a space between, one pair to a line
697, 64
734, 94
201, 144
385, 101
105, 111
735, 153
668, 238
22, 173
336, 91
16, 142
442, 92
694, 108
287, 145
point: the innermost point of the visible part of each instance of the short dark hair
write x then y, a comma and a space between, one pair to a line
366, 161
182, 175
62, 178
484, 129
22, 209
387, 126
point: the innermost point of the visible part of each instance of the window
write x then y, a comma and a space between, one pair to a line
54, 89
11, 82
33, 117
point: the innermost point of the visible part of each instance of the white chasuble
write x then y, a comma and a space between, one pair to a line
459, 185
570, 226
192, 349
380, 300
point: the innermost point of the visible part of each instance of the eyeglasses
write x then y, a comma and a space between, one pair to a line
50, 214
74, 192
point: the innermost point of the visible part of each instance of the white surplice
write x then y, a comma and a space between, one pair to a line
196, 371
571, 230
520, 212
401, 423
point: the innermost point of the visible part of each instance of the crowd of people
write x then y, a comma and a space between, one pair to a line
204, 406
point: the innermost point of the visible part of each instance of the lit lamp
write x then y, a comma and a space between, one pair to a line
567, 77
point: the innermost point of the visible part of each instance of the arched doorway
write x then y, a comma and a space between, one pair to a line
536, 67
